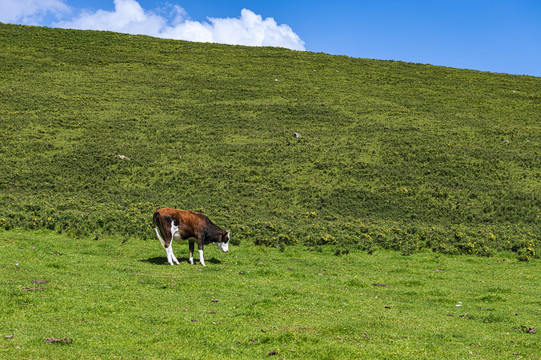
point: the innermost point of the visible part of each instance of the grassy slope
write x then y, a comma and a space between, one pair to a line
117, 299
391, 153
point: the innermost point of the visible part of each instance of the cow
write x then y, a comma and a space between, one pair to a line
175, 224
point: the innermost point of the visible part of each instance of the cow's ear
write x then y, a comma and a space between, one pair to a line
227, 234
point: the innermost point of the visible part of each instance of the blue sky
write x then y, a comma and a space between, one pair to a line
488, 35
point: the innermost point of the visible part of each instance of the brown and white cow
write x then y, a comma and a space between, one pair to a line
174, 224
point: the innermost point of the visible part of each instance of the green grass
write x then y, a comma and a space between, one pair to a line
395, 159
394, 155
120, 299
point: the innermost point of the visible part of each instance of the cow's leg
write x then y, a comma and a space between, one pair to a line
200, 246
191, 251
167, 245
171, 259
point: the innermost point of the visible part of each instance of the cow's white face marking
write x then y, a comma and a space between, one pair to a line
223, 246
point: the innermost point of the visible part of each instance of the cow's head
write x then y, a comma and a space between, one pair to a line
223, 244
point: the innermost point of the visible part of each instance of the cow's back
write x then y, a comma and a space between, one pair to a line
189, 223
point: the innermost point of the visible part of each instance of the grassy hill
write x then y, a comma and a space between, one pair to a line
99, 129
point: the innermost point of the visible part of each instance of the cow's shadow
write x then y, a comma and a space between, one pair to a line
162, 260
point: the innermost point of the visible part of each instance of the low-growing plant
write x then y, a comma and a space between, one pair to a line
101, 129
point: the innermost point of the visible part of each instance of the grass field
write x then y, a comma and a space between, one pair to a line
100, 129
120, 299
404, 223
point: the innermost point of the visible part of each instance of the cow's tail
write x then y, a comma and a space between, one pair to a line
158, 227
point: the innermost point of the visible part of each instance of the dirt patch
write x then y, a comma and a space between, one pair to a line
527, 329
58, 341
296, 329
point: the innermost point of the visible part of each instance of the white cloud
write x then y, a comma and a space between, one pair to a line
251, 29
129, 17
30, 11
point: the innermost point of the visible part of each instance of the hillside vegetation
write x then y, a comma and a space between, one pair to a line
99, 129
